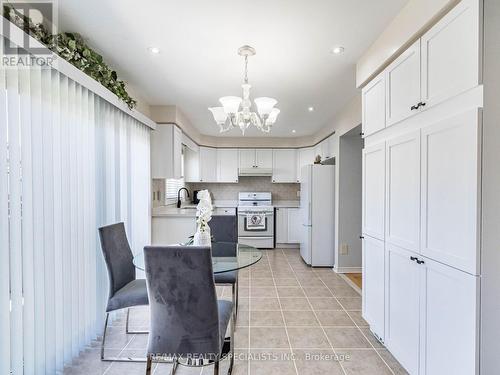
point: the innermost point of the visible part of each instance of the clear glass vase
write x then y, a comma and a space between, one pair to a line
202, 237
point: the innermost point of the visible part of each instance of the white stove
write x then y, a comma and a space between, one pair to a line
256, 219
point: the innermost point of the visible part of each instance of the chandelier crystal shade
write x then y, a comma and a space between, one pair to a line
237, 112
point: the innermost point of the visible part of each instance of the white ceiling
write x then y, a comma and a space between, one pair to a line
199, 39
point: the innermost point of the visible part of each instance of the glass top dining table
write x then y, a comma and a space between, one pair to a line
226, 259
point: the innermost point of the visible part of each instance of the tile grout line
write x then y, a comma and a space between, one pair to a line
283, 317
314, 312
350, 317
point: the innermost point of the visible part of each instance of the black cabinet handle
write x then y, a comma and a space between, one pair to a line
414, 107
420, 261
361, 237
414, 259
421, 104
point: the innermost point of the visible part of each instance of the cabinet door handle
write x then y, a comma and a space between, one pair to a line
421, 104
414, 259
361, 237
420, 261
414, 107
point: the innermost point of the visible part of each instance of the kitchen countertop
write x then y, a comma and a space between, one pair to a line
286, 204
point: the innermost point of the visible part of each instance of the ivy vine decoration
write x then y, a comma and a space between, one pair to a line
72, 48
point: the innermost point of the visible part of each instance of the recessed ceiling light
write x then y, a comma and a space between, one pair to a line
294, 131
154, 50
338, 50
310, 109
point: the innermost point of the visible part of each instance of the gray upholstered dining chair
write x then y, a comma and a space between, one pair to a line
224, 228
188, 323
125, 290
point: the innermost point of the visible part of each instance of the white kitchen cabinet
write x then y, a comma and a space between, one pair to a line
450, 54
326, 152
318, 151
402, 307
256, 158
171, 230
374, 284
449, 320
403, 85
208, 164
227, 165
264, 158
451, 157
191, 165
373, 191
247, 158
305, 156
281, 225
166, 151
373, 107
403, 191
284, 165
294, 225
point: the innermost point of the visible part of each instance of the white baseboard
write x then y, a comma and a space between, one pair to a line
347, 269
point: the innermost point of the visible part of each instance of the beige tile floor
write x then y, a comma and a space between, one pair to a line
292, 320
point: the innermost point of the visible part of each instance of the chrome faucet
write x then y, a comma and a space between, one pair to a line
179, 196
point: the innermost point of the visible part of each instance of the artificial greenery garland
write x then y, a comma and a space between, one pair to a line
72, 48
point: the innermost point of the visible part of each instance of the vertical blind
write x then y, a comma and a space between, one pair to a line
69, 163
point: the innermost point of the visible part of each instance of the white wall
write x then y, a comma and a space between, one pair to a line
490, 249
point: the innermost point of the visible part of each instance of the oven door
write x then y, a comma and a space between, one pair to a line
251, 225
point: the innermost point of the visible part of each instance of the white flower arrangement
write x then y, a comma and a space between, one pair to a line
204, 211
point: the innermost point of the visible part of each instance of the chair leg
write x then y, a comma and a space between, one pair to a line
216, 367
148, 364
115, 359
127, 325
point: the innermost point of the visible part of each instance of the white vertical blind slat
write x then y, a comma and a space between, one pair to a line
15, 232
4, 233
58, 198
48, 214
27, 223
38, 216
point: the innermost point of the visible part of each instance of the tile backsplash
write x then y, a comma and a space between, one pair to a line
224, 191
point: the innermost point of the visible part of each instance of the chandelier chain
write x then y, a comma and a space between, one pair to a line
246, 69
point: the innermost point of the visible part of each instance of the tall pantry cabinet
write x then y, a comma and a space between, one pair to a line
422, 122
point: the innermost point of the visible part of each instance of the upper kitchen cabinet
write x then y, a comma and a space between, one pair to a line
284, 166
208, 164
191, 165
264, 158
227, 165
373, 108
403, 85
451, 51
166, 151
255, 159
305, 156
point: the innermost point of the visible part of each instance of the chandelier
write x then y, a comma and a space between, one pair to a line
236, 111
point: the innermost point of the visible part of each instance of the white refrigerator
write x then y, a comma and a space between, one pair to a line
317, 200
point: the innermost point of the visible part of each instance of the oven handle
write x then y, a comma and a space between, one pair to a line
256, 238
250, 213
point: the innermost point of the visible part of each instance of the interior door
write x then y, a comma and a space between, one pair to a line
448, 67
374, 284
403, 85
373, 106
403, 191
451, 157
402, 313
373, 191
449, 320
